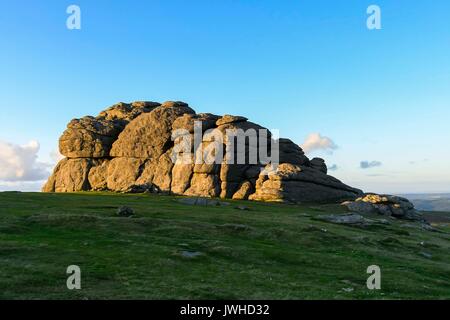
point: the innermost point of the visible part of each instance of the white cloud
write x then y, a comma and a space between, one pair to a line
19, 163
24, 186
315, 141
371, 164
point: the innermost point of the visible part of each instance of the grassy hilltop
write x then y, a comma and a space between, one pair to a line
170, 250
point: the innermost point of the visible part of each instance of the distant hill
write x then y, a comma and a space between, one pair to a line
430, 201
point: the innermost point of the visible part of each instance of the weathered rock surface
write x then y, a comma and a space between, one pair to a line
132, 147
149, 135
386, 205
319, 164
289, 152
98, 175
70, 175
187, 121
123, 113
91, 137
123, 173
244, 191
88, 138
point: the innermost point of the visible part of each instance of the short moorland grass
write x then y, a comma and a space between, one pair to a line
170, 250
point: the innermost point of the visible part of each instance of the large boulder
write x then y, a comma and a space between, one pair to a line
289, 152
204, 185
319, 164
187, 121
245, 190
70, 175
91, 137
150, 134
293, 183
387, 205
157, 172
123, 113
88, 137
123, 173
98, 175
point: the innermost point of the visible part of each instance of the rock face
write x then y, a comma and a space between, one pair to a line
386, 205
142, 147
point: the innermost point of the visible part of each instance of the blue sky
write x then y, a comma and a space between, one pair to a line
300, 66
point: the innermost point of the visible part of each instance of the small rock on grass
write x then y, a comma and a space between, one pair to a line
351, 219
426, 255
125, 211
205, 202
190, 254
235, 227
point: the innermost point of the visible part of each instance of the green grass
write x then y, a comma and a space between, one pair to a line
280, 252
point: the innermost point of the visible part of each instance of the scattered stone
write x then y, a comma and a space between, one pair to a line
235, 227
428, 245
427, 227
183, 245
304, 215
144, 188
203, 202
243, 208
352, 219
190, 254
383, 221
426, 255
389, 241
125, 211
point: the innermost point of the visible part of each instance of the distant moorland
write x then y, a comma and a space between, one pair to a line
430, 201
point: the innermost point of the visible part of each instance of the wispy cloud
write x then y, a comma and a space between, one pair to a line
418, 161
371, 164
315, 142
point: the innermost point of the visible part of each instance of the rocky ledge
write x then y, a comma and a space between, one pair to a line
129, 148
386, 205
